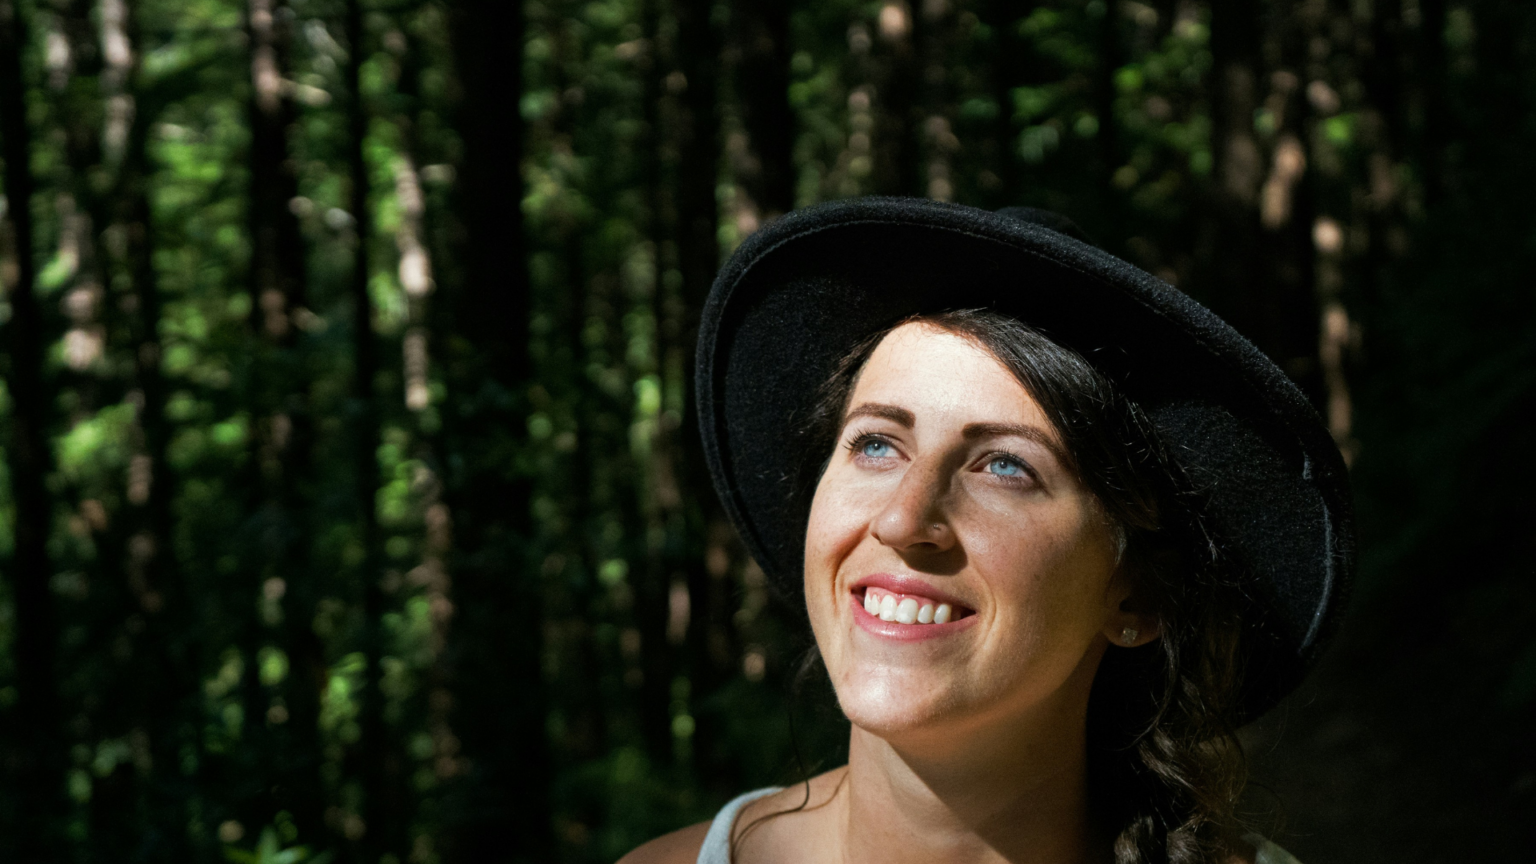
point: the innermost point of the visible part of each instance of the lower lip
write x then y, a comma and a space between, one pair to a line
898, 632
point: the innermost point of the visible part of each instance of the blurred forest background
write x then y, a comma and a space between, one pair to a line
351, 505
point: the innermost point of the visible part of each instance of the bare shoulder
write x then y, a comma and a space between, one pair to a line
679, 847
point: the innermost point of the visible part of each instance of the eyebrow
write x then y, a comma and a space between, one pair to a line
892, 413
974, 431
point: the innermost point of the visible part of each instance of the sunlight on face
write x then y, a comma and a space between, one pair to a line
949, 483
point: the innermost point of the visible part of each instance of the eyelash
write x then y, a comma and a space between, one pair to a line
1027, 471
857, 443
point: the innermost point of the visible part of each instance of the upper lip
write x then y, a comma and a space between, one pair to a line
908, 585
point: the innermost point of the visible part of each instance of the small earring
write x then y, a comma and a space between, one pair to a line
1128, 635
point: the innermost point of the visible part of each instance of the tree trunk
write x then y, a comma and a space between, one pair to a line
762, 90
1283, 319
1228, 243
277, 259
590, 739
281, 456
1256, 266
1002, 183
1431, 73
170, 683
1108, 158
375, 758
496, 641
95, 103
934, 141
699, 48
897, 127
650, 583
36, 757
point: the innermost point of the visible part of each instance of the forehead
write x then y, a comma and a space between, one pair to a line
923, 367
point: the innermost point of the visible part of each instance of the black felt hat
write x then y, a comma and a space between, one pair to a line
800, 293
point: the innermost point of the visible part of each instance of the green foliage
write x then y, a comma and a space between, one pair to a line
269, 850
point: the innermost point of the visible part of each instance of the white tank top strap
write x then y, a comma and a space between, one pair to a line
1269, 852
717, 843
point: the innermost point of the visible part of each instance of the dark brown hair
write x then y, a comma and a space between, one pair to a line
1165, 766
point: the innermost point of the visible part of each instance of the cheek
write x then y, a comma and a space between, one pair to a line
837, 523
1050, 577
826, 536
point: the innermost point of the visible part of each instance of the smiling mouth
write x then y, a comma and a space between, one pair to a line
914, 609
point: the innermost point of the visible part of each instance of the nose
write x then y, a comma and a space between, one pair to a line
915, 518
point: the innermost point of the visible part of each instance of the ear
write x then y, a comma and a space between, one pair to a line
1130, 626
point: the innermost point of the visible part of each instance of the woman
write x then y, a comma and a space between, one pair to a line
1058, 531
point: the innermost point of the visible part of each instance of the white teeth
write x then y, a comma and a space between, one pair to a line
905, 610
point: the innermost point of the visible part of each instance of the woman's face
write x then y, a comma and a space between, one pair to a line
950, 504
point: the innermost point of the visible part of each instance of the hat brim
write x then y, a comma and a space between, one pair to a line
797, 295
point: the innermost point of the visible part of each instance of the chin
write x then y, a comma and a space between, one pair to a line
891, 702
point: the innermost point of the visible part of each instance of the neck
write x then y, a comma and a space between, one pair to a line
975, 793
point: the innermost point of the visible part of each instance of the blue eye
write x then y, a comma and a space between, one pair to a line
1003, 466
875, 449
